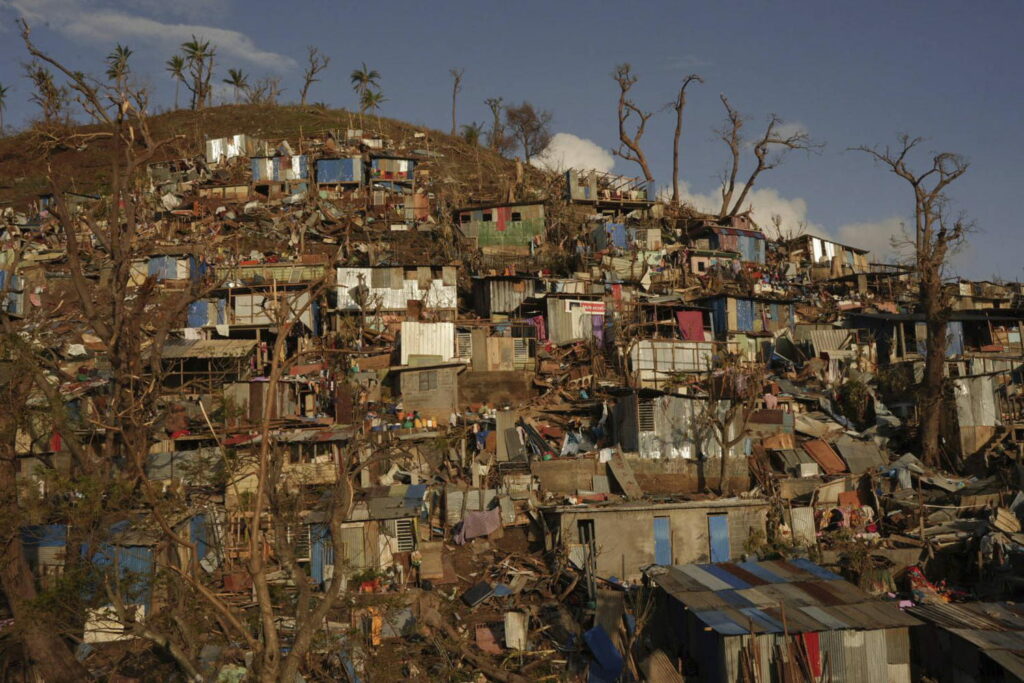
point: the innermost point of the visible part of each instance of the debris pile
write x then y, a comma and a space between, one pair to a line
508, 430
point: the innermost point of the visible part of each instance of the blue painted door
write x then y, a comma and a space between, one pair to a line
718, 537
662, 541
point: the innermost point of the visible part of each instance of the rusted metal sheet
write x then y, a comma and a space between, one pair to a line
823, 454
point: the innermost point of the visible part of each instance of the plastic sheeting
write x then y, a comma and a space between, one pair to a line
478, 523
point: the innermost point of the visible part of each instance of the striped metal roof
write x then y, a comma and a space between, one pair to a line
775, 596
995, 628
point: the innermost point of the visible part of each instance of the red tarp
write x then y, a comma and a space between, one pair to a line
691, 325
813, 653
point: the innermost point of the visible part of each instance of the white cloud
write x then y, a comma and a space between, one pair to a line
567, 151
89, 21
766, 202
876, 236
790, 128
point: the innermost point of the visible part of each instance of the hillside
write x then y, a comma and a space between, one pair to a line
467, 172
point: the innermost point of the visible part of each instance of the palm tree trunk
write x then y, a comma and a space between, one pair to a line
177, 84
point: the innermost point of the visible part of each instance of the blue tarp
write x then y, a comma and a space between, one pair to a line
163, 267
197, 313
608, 662
134, 565
44, 536
339, 171
615, 236
197, 268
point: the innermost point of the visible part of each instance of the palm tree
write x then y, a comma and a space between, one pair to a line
372, 99
117, 63
176, 67
238, 80
3, 105
199, 58
362, 81
472, 132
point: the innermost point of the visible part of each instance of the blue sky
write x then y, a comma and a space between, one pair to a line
849, 73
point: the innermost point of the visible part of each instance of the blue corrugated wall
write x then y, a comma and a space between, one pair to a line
745, 315
720, 311
134, 563
320, 545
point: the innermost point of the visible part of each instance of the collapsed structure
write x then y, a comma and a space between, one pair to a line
541, 392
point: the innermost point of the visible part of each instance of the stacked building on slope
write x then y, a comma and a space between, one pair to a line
549, 398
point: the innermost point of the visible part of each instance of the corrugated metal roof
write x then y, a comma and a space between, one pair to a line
208, 348
835, 343
860, 456
805, 596
994, 628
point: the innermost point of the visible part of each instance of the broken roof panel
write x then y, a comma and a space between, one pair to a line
826, 458
208, 348
860, 456
836, 342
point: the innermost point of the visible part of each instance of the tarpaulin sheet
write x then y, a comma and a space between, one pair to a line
691, 325
608, 662
476, 523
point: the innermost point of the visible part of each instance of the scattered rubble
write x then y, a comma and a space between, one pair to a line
571, 415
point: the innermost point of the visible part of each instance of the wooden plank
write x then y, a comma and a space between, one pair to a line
431, 566
624, 475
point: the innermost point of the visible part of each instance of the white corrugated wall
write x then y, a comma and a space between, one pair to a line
427, 339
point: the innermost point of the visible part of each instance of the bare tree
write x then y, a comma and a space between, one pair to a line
496, 138
678, 105
133, 324
91, 95
316, 62
530, 128
936, 235
48, 652
263, 92
629, 144
731, 392
3, 105
456, 89
769, 151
